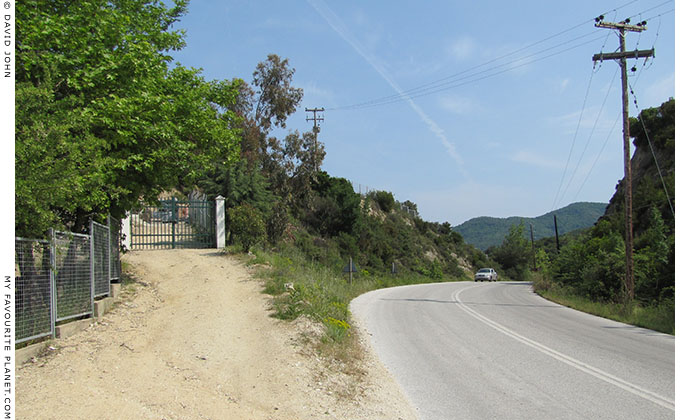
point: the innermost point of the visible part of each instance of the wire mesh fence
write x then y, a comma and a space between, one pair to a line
115, 244
101, 255
58, 279
72, 275
32, 289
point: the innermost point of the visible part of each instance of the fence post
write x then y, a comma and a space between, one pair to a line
220, 222
109, 251
92, 258
53, 286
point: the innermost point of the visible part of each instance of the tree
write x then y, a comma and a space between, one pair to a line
336, 208
276, 98
385, 200
514, 253
101, 119
653, 253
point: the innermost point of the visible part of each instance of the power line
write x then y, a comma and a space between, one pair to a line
591, 134
438, 82
656, 162
479, 76
615, 123
572, 146
603, 147
622, 56
450, 81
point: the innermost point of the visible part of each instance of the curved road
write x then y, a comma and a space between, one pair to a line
499, 351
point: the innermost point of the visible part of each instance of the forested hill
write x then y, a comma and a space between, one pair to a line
483, 232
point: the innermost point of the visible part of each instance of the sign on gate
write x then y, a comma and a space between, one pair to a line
174, 224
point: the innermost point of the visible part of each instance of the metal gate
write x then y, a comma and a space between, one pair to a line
174, 224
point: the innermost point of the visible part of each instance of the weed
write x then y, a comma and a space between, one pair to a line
659, 317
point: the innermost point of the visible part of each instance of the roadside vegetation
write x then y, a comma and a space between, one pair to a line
587, 273
104, 119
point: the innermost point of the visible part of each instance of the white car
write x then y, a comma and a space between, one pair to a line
488, 274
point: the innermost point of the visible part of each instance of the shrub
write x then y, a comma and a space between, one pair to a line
277, 222
247, 228
385, 200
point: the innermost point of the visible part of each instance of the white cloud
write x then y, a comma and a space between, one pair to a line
462, 48
563, 85
312, 90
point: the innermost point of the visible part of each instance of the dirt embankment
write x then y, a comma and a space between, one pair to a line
194, 340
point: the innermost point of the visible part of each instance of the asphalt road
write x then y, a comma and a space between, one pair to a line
499, 351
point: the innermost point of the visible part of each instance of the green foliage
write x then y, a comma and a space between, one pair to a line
247, 228
276, 98
336, 206
302, 285
659, 317
239, 184
514, 253
659, 123
101, 119
591, 265
385, 200
653, 260
277, 222
484, 232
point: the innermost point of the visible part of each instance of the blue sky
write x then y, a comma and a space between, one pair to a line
494, 108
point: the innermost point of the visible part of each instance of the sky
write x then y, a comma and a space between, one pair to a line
465, 108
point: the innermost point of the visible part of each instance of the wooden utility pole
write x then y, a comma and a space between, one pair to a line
315, 118
555, 226
316, 129
534, 256
622, 56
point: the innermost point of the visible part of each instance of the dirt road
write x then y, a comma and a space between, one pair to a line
194, 340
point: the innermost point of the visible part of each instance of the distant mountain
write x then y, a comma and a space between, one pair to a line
483, 232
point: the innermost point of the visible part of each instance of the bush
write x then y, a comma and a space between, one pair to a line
246, 226
277, 222
385, 200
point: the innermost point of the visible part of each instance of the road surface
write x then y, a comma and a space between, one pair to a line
499, 351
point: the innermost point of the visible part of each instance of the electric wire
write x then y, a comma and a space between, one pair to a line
649, 142
603, 147
589, 139
472, 78
637, 78
556, 200
446, 80
572, 145
596, 160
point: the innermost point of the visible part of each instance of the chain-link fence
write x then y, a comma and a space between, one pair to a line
58, 279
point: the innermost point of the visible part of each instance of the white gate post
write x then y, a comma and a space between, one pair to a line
220, 222
127, 231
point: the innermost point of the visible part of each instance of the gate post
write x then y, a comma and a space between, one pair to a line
220, 222
126, 226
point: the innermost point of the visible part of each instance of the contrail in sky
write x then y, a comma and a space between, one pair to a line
339, 27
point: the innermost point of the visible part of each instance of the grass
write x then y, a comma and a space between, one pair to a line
301, 287
658, 317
